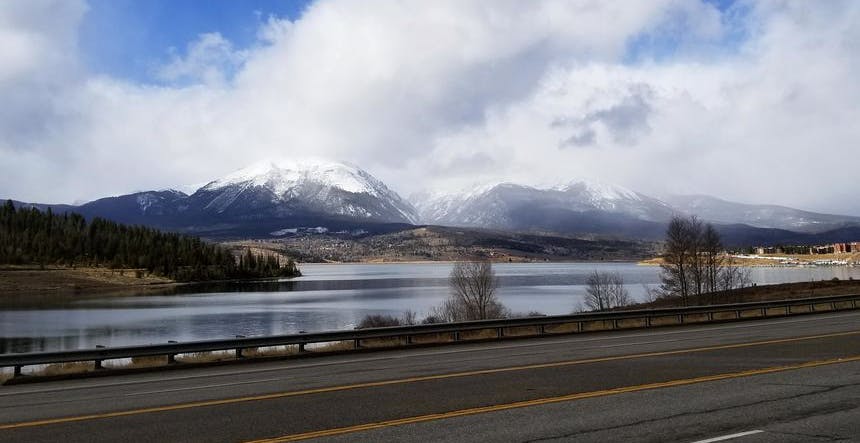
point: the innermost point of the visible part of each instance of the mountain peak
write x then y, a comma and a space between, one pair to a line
281, 175
318, 185
599, 190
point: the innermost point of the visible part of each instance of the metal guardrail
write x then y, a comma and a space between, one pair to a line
583, 322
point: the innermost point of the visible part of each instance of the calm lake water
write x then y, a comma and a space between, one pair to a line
327, 297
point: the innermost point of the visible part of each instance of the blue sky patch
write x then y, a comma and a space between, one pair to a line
130, 39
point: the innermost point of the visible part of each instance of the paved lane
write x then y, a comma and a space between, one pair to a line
290, 398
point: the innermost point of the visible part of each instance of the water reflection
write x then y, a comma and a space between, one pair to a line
328, 297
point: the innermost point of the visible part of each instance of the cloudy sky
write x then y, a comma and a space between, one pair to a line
750, 101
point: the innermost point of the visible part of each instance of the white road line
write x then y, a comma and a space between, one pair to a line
439, 351
729, 437
191, 388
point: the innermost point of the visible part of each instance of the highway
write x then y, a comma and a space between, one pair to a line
786, 379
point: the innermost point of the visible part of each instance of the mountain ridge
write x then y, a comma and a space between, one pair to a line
282, 195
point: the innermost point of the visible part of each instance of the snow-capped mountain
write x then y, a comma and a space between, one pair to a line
287, 196
286, 187
763, 216
576, 207
269, 196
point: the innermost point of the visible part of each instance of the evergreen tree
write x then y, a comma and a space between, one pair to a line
29, 236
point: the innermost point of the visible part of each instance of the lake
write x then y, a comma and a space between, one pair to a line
327, 297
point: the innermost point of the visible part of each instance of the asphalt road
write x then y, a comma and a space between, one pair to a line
789, 379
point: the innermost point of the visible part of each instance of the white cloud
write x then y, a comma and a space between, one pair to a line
210, 59
413, 91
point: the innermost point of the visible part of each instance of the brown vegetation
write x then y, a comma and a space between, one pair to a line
436, 243
29, 280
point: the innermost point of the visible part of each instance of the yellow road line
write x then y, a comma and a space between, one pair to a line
544, 401
277, 395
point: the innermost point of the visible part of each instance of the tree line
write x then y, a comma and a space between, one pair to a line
30, 236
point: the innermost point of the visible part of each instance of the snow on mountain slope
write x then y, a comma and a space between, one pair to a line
311, 185
762, 216
281, 176
500, 205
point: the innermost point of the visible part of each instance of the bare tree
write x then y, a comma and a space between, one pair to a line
473, 294
605, 291
734, 276
681, 268
711, 253
694, 263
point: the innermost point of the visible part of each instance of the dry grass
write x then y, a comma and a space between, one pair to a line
800, 309
727, 315
145, 362
772, 312
845, 305
596, 325
665, 320
563, 328
632, 323
64, 368
382, 342
696, 318
432, 338
479, 334
819, 307
522, 331
15, 281
751, 313
271, 351
334, 346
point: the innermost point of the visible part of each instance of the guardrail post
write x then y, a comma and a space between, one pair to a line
812, 307
456, 335
357, 344
541, 330
737, 313
614, 324
647, 321
764, 312
579, 326
500, 332
710, 316
787, 309
681, 318
408, 339
833, 306
239, 353
17, 371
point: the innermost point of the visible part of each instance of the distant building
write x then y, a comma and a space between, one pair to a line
826, 249
834, 248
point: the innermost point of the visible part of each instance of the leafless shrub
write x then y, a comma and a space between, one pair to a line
383, 320
473, 294
606, 291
